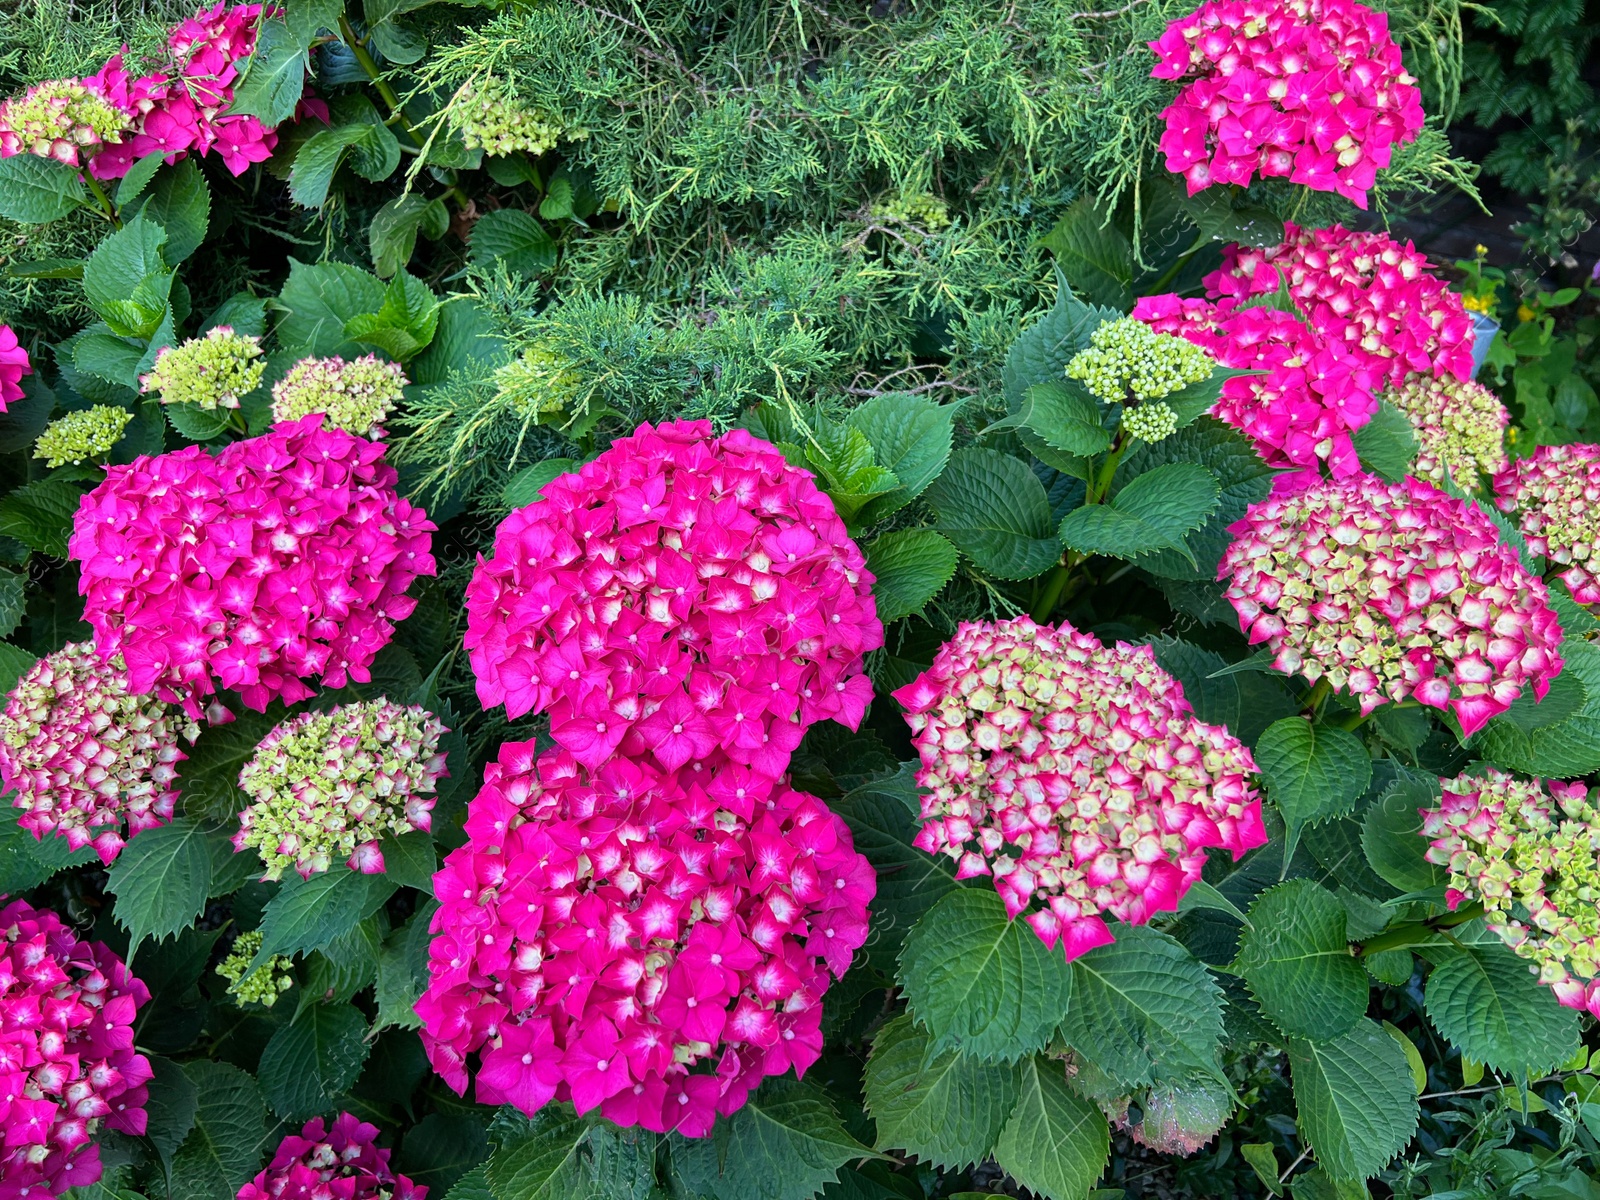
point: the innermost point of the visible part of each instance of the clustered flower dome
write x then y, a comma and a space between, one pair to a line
679, 596
84, 758
1375, 295
489, 117
210, 372
1554, 496
82, 435
1128, 363
1075, 775
1393, 591
1528, 847
648, 943
1313, 394
63, 119
357, 395
328, 785
67, 1060
283, 558
341, 1161
14, 365
255, 985
1314, 90
1460, 429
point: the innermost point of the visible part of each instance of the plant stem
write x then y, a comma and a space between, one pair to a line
1413, 932
358, 47
1095, 493
1319, 693
1053, 587
105, 201
1172, 272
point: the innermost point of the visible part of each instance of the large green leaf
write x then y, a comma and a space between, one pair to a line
34, 190
171, 1107
1064, 416
784, 1144
308, 914
40, 514
26, 862
1312, 772
317, 161
180, 202
225, 1147
515, 238
1144, 1010
910, 436
1356, 1099
1559, 736
1154, 511
1295, 958
1042, 351
946, 1109
275, 77
544, 1161
1391, 835
403, 971
441, 1148
1093, 253
127, 280
1387, 444
404, 323
980, 982
1056, 1142
996, 512
162, 880
910, 567
310, 1062
318, 301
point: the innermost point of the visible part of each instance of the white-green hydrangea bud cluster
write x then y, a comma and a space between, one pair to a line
489, 117
540, 381
266, 983
328, 785
1460, 428
1153, 422
211, 371
355, 396
1127, 356
921, 209
82, 435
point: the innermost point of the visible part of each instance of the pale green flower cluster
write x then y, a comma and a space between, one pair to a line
82, 435
328, 785
1127, 358
211, 371
540, 381
1152, 422
262, 986
920, 209
58, 119
1460, 428
490, 118
355, 396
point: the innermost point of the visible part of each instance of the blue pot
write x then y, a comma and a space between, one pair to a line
1484, 327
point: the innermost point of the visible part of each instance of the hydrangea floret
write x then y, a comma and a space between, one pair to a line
490, 118
1526, 847
1554, 496
1393, 591
285, 557
79, 436
357, 395
261, 985
679, 596
602, 934
1311, 90
1460, 429
341, 1161
63, 119
328, 785
1126, 361
67, 1059
1376, 296
210, 372
1075, 775
14, 365
86, 759
538, 382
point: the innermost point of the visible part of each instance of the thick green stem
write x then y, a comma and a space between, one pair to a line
1414, 933
106, 206
1050, 596
1173, 271
1095, 493
358, 47
1319, 693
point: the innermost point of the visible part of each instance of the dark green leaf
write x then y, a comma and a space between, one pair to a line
310, 1062
319, 300
35, 190
307, 18
1093, 253
1043, 350
308, 914
1064, 417
409, 860
1557, 737
13, 602
1387, 444
162, 880
441, 1148
910, 437
171, 1108
1295, 957
196, 423
25, 861
1391, 835
138, 178
180, 202
910, 567
225, 1147
40, 514
996, 512
1154, 511
1312, 772
318, 159
275, 78
1358, 1105
515, 238
403, 971
1056, 1143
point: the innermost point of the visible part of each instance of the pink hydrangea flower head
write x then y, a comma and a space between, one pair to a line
680, 595
1460, 427
327, 785
84, 758
285, 557
1313, 393
649, 943
14, 365
1075, 775
1376, 296
67, 1060
341, 1161
1554, 496
1393, 591
1314, 90
67, 120
1522, 846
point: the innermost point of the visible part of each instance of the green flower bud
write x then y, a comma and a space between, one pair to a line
83, 435
1126, 357
354, 396
919, 209
261, 986
490, 118
1152, 422
541, 381
211, 371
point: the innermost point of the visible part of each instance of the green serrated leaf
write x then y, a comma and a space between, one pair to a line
1357, 1104
119, 267
310, 1062
162, 880
318, 159
403, 971
275, 77
980, 982
138, 178
171, 1108
25, 861
40, 514
13, 602
441, 1149
228, 1141
1056, 1143
404, 323
910, 567
1387, 444
100, 353
36, 190
947, 1109
410, 859
195, 423
1063, 416
515, 238
996, 512
1153, 511
1093, 253
1297, 961
1312, 772
1043, 350
308, 914
1390, 835
392, 233
1557, 737
319, 300
179, 201
910, 437
307, 18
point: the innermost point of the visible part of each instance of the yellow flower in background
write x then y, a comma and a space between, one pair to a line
1524, 313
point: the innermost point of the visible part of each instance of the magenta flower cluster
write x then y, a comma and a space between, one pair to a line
1075, 775
283, 558
1365, 290
648, 943
341, 1161
14, 365
1311, 90
1554, 496
680, 597
1393, 591
1314, 394
67, 1061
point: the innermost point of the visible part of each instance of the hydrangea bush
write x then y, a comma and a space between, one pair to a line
772, 602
